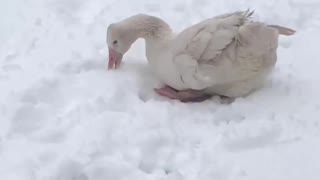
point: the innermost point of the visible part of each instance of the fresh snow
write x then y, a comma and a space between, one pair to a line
63, 116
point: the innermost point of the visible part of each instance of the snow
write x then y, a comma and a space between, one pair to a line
63, 116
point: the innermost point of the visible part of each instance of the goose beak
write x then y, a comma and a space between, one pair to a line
114, 59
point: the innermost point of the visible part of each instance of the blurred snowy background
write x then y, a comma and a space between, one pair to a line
64, 117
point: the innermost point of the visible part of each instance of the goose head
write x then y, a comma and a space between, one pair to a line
121, 35
119, 41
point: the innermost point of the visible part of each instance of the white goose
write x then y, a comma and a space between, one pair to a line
227, 55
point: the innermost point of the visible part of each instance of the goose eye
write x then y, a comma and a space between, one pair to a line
115, 42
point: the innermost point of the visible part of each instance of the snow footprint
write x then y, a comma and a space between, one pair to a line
69, 170
38, 105
246, 136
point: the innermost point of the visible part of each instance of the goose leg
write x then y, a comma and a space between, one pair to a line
167, 91
183, 95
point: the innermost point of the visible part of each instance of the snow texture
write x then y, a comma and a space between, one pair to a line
63, 116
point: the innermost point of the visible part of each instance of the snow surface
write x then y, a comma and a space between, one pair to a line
64, 117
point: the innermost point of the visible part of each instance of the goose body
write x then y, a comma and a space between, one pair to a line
227, 55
